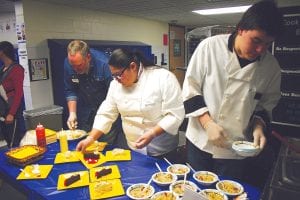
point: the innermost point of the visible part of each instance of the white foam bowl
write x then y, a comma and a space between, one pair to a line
245, 148
203, 176
220, 194
177, 189
132, 188
179, 169
230, 188
163, 194
161, 178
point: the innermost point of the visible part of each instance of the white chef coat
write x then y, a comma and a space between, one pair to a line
156, 99
229, 91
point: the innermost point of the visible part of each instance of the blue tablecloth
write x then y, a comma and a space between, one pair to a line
138, 170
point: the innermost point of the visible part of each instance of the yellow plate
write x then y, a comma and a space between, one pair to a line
27, 172
84, 180
126, 155
66, 157
89, 166
115, 173
117, 190
96, 146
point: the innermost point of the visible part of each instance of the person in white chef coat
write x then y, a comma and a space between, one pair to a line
231, 85
149, 99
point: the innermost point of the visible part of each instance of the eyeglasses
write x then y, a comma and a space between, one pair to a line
118, 75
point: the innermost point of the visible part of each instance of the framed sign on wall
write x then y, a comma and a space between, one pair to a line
38, 69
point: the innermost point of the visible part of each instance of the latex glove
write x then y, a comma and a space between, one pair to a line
72, 121
83, 144
216, 134
259, 137
145, 139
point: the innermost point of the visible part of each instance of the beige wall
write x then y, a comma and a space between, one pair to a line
47, 21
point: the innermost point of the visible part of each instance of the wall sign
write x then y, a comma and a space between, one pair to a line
38, 69
177, 48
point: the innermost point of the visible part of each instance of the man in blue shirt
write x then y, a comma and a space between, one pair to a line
86, 78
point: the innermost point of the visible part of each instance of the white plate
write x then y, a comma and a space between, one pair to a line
177, 188
204, 181
162, 178
73, 134
163, 194
230, 188
137, 189
245, 148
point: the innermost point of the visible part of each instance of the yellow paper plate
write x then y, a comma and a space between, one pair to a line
66, 157
28, 172
96, 146
115, 173
84, 180
117, 189
125, 155
88, 165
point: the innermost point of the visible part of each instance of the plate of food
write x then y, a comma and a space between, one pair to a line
106, 189
118, 154
25, 155
230, 188
164, 178
73, 134
179, 169
140, 191
178, 187
104, 173
164, 195
73, 180
245, 148
66, 157
205, 178
96, 146
35, 172
90, 160
213, 194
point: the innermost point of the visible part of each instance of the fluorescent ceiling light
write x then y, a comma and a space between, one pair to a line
216, 11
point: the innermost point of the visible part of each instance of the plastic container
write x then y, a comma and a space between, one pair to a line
50, 117
63, 142
40, 135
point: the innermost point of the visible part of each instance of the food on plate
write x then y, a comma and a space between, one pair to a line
205, 177
213, 194
103, 187
163, 177
230, 187
164, 195
118, 152
141, 191
72, 179
179, 186
176, 169
93, 155
96, 146
103, 172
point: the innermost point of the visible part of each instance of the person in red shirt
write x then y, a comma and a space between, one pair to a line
11, 78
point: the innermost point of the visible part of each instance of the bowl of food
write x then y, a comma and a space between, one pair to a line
205, 178
164, 195
230, 188
213, 194
140, 191
179, 169
178, 187
245, 148
164, 178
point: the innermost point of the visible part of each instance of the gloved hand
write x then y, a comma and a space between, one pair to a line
259, 136
216, 134
145, 139
72, 121
83, 144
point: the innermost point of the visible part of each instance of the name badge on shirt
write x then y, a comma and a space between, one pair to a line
75, 80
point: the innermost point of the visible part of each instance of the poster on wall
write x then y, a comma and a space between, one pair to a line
20, 29
38, 69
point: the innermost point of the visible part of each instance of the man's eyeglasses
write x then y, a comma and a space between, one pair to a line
118, 75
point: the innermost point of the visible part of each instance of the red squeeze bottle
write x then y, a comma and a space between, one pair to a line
40, 135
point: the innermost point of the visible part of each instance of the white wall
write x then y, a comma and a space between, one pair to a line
8, 34
47, 21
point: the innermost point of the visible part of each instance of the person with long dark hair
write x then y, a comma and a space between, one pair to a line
11, 78
149, 100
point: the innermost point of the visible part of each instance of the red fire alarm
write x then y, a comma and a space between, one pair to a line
165, 39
